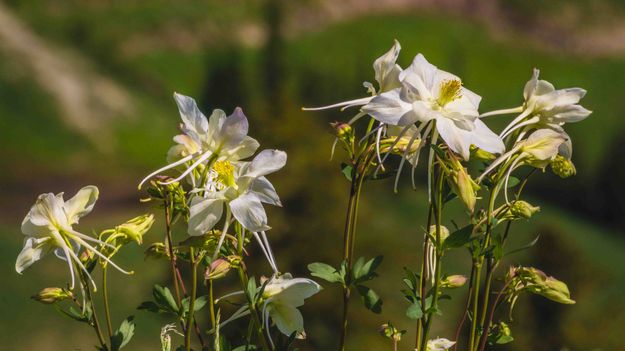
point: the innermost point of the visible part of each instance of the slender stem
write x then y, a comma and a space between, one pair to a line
170, 248
439, 255
211, 304
477, 266
105, 296
422, 277
466, 309
94, 315
484, 337
190, 313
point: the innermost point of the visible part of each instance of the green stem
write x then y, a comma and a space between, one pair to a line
422, 279
211, 304
439, 254
170, 249
94, 315
105, 296
477, 266
190, 313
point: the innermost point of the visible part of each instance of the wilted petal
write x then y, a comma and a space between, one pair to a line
249, 211
204, 214
81, 204
266, 162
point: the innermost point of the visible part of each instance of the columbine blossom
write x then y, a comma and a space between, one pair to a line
218, 138
282, 296
440, 344
48, 226
242, 188
428, 94
386, 74
545, 105
538, 150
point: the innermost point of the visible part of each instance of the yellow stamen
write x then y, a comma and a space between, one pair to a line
449, 91
225, 173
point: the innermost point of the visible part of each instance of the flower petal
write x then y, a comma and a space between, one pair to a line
386, 70
81, 204
246, 148
266, 162
458, 139
204, 213
389, 108
32, 252
249, 211
193, 119
265, 191
288, 319
234, 128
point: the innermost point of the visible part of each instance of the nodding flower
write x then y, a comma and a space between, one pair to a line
440, 344
48, 226
544, 105
204, 141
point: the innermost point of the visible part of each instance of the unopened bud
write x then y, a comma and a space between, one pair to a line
52, 295
156, 250
387, 330
454, 281
218, 269
504, 329
481, 155
444, 232
537, 282
86, 256
342, 130
523, 209
135, 228
563, 167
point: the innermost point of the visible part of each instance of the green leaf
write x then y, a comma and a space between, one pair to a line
200, 302
459, 237
513, 181
347, 171
414, 311
325, 272
370, 298
364, 271
123, 335
504, 339
251, 289
150, 306
164, 299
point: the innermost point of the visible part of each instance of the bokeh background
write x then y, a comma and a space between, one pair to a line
86, 98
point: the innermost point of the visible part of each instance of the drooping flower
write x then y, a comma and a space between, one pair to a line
218, 138
544, 105
386, 74
440, 344
428, 94
48, 226
282, 296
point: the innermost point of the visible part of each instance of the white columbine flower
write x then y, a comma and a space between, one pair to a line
218, 138
48, 226
545, 105
440, 344
428, 94
282, 296
386, 74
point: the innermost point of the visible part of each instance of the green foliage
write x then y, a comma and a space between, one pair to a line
123, 334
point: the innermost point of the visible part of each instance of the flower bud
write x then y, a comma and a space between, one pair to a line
454, 281
342, 130
156, 250
218, 269
481, 155
86, 257
387, 330
52, 295
523, 209
135, 228
537, 282
444, 232
563, 167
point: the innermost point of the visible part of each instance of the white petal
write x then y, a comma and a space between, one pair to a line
389, 108
193, 119
292, 291
204, 214
386, 70
421, 75
249, 211
246, 148
266, 162
265, 191
485, 139
458, 140
81, 204
287, 318
234, 128
32, 252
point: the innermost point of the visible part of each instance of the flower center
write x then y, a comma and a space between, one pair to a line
225, 173
449, 91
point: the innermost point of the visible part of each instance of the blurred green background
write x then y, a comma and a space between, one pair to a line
86, 98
